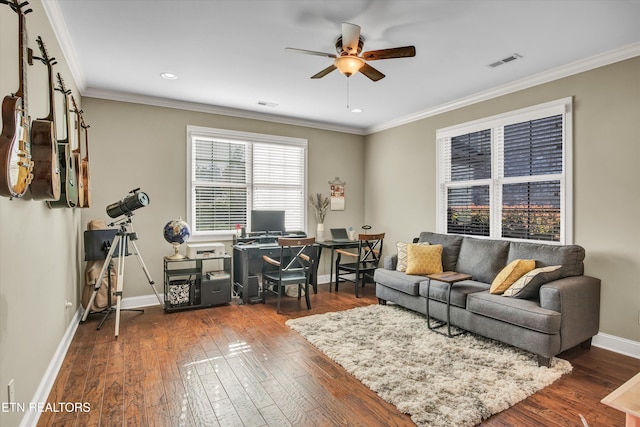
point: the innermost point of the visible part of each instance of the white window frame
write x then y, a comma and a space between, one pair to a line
496, 124
235, 136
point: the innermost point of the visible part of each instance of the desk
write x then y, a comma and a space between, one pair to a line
247, 262
330, 244
626, 398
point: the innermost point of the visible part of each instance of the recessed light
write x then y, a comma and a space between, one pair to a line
168, 76
357, 110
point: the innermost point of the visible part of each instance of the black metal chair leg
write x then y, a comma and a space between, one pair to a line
306, 296
279, 290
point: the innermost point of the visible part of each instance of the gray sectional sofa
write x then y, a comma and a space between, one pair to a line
564, 313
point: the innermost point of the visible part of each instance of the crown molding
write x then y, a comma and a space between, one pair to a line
607, 58
54, 14
213, 109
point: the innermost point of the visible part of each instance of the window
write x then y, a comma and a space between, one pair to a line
230, 173
508, 176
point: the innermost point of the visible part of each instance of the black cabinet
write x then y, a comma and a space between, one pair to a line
196, 283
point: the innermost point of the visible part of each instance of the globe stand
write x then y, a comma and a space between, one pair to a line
176, 252
124, 236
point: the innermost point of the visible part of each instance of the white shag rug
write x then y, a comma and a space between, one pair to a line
439, 381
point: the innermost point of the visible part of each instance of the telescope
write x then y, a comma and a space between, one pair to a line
135, 200
124, 237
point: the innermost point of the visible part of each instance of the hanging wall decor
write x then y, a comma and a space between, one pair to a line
337, 194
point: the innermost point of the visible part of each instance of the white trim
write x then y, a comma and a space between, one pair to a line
46, 383
214, 109
140, 301
59, 26
607, 58
616, 344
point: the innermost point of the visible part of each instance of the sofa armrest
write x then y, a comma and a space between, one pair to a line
577, 298
390, 262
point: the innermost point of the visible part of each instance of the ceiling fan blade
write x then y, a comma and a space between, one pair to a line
350, 37
371, 72
396, 52
309, 52
324, 72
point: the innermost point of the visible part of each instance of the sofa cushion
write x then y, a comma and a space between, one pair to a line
483, 259
528, 286
570, 257
521, 312
398, 280
512, 272
424, 259
401, 263
439, 290
450, 247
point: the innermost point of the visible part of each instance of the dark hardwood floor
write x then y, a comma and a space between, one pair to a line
240, 365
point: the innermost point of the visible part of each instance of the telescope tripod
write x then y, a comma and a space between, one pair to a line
121, 242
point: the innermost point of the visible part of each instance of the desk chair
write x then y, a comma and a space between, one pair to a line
360, 264
294, 267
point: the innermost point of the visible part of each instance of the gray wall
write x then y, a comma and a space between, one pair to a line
400, 171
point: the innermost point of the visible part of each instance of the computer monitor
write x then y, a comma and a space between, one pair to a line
267, 221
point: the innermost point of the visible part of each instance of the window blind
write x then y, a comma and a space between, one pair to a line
278, 181
471, 156
220, 184
533, 147
508, 176
233, 173
468, 210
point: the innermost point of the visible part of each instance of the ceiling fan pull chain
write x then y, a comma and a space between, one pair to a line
348, 93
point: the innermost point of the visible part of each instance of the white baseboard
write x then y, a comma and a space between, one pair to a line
616, 344
141, 301
42, 393
323, 279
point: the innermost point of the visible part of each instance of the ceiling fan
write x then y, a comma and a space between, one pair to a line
349, 61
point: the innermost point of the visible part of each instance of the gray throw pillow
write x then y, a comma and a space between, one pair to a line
528, 286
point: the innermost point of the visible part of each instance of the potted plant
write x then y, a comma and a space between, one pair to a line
320, 206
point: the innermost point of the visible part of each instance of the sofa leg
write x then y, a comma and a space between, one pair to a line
586, 344
382, 301
544, 361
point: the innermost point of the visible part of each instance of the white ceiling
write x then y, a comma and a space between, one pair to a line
229, 54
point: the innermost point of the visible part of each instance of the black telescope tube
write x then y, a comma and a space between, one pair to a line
136, 200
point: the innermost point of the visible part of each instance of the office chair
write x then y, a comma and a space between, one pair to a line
294, 267
360, 264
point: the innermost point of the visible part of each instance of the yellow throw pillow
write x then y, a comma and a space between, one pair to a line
424, 259
512, 272
401, 265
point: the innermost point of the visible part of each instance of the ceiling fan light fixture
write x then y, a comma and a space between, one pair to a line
348, 65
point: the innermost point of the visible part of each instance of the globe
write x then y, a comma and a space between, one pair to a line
176, 232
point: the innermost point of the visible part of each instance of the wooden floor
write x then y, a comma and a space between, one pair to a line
240, 365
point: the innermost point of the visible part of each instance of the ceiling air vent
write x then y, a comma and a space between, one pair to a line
505, 60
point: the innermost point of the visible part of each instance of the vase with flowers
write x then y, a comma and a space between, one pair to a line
320, 206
